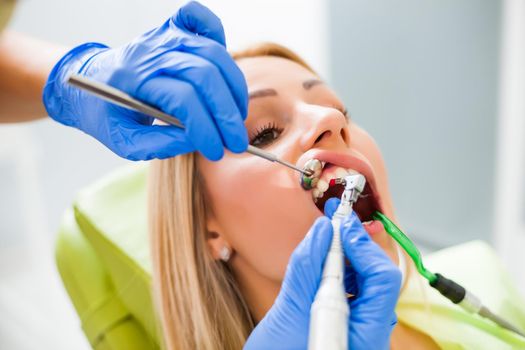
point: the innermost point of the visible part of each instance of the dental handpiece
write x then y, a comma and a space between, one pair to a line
122, 99
330, 313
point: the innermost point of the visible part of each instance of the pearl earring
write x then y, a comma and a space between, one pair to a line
225, 253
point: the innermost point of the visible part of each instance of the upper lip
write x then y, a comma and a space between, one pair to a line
347, 161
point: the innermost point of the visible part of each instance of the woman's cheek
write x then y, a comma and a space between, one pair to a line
261, 209
272, 230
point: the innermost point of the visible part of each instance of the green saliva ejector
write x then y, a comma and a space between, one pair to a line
447, 287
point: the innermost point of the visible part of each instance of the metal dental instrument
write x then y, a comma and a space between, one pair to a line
315, 167
122, 99
448, 288
330, 311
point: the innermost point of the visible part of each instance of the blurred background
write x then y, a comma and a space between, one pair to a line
440, 84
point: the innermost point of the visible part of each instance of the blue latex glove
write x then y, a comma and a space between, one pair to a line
372, 316
181, 67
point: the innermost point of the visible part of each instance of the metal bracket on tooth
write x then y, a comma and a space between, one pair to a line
314, 167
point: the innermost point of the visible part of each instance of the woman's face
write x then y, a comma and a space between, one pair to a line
259, 208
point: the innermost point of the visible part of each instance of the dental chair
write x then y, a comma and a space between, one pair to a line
103, 257
102, 254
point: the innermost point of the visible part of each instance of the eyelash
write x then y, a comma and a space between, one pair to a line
272, 127
343, 110
263, 131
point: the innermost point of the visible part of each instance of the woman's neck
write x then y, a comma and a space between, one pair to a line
258, 291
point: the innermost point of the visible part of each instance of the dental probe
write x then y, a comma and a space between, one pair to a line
447, 287
120, 98
330, 311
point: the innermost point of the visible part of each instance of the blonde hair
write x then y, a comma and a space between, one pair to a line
198, 300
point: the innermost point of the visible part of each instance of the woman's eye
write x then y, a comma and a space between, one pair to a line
265, 136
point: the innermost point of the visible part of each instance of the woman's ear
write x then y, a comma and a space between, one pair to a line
217, 244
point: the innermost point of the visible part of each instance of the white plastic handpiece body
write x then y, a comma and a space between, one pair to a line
330, 311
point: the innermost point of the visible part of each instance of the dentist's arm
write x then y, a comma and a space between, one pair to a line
25, 64
372, 319
181, 67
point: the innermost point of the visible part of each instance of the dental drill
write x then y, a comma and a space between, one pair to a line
330, 313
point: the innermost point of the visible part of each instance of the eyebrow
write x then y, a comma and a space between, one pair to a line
262, 93
307, 85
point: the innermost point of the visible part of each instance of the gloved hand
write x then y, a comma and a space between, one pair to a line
181, 67
372, 316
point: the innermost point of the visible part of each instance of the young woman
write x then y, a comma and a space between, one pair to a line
223, 232
233, 224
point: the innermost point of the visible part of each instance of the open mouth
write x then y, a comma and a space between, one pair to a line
325, 189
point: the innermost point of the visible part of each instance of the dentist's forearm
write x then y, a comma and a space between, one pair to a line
25, 64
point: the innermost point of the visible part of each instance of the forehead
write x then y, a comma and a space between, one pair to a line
268, 71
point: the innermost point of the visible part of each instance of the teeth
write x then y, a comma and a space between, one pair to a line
340, 172
322, 185
315, 166
367, 223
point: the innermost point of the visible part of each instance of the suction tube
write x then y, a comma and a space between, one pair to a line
447, 287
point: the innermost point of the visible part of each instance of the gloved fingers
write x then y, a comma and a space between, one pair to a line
378, 278
198, 19
211, 87
179, 99
331, 206
233, 76
304, 270
367, 258
217, 54
122, 114
210, 45
145, 142
379, 282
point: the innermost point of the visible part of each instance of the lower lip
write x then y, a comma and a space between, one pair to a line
374, 228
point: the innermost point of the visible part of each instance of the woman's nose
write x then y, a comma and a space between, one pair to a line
325, 127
